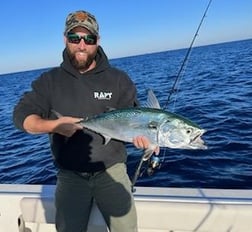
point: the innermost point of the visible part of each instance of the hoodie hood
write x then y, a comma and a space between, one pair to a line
101, 59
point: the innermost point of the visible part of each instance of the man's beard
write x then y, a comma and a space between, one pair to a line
83, 64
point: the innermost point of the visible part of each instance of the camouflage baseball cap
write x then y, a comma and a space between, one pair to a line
81, 19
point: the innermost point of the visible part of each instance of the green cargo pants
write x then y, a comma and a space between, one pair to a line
110, 189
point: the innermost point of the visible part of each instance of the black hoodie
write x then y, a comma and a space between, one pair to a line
70, 93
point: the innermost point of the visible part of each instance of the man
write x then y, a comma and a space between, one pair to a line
83, 86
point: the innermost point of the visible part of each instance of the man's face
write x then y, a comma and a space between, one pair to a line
81, 53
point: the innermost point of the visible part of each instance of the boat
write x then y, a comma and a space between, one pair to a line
30, 208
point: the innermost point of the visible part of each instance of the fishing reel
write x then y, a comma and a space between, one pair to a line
153, 164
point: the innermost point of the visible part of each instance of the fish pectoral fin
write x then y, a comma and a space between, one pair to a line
147, 153
57, 114
107, 139
109, 109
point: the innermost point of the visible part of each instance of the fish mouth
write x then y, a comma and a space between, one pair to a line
197, 142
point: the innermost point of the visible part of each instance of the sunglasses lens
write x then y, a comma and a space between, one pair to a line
73, 38
88, 39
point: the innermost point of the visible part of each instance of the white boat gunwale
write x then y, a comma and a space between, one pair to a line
159, 209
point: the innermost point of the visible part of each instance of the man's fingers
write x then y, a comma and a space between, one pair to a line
141, 142
157, 150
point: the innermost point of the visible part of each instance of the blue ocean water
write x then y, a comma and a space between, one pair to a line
215, 92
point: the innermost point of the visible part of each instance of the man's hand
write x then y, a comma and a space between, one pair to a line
143, 142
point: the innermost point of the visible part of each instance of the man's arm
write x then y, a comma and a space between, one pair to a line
66, 126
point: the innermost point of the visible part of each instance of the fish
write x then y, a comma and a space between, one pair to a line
162, 128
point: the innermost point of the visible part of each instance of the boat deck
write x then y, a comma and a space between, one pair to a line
28, 208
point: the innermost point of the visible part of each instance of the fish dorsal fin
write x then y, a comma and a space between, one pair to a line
152, 101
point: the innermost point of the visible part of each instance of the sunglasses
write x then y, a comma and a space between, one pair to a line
88, 39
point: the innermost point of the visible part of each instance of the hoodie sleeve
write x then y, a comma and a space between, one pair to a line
33, 102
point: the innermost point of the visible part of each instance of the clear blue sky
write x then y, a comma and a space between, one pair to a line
32, 31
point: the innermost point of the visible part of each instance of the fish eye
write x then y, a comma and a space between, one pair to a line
189, 131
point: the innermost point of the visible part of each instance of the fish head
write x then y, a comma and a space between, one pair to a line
182, 134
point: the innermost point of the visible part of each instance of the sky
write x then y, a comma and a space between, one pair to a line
32, 31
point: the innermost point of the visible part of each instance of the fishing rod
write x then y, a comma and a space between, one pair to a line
137, 173
178, 77
154, 161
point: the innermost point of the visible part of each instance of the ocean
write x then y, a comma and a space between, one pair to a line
215, 91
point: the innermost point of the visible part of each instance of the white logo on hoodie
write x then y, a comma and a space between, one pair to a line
103, 95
